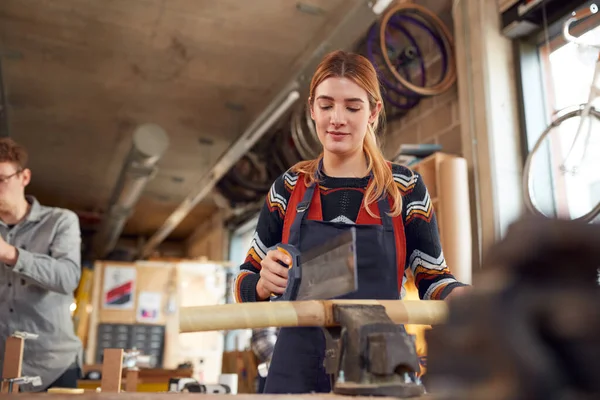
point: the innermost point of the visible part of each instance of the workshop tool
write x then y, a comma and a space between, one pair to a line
191, 385
370, 355
113, 362
323, 272
13, 362
530, 328
34, 380
367, 352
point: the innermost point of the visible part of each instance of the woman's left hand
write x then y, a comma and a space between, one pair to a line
458, 291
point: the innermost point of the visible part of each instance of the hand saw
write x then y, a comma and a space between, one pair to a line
322, 272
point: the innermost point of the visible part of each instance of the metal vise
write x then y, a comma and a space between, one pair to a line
369, 355
530, 328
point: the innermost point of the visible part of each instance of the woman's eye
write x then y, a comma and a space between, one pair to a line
353, 109
325, 107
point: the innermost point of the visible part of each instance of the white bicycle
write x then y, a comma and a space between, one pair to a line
574, 162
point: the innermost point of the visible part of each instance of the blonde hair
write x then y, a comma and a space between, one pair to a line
359, 70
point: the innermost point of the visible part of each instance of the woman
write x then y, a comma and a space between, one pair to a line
349, 184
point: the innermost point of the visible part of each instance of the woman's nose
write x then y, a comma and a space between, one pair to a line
337, 117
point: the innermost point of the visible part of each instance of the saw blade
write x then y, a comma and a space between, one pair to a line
329, 270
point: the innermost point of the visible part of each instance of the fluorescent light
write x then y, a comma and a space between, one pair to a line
380, 5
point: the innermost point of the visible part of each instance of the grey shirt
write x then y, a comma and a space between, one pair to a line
37, 292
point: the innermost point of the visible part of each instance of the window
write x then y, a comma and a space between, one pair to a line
564, 73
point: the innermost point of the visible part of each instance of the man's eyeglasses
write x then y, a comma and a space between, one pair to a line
6, 178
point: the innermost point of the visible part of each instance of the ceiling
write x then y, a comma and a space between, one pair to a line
80, 75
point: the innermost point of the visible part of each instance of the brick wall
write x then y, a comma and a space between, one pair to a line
434, 119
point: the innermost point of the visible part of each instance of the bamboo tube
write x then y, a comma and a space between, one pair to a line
301, 313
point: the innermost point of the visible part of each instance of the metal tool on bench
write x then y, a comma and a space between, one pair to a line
367, 354
323, 272
13, 361
191, 385
530, 328
370, 355
34, 380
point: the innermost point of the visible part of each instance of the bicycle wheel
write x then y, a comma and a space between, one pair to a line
545, 205
419, 12
395, 94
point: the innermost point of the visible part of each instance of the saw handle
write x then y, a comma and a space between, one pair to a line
294, 272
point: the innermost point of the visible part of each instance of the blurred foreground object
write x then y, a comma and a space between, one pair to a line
530, 329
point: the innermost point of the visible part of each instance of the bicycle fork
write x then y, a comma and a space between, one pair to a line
594, 94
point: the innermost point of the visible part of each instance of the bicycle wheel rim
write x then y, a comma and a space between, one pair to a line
411, 98
527, 179
439, 41
435, 21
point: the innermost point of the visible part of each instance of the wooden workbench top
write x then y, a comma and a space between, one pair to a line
191, 396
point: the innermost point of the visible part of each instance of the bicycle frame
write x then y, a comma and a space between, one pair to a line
595, 87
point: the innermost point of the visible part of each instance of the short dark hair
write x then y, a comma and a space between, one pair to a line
13, 152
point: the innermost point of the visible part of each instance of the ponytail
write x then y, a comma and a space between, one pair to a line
383, 181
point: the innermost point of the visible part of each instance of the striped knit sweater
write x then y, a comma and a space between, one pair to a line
341, 200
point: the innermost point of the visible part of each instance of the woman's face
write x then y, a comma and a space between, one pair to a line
341, 113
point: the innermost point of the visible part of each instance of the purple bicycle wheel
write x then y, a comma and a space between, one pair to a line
410, 100
397, 22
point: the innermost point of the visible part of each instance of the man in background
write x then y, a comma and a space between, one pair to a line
40, 268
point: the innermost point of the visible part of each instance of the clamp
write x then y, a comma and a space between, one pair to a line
25, 335
134, 359
13, 362
34, 380
367, 354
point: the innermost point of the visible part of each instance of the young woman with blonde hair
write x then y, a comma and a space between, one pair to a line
349, 184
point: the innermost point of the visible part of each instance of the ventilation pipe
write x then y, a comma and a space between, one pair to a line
150, 142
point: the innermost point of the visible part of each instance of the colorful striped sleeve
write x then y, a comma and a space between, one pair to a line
268, 233
424, 254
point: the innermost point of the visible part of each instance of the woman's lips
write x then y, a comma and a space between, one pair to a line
336, 134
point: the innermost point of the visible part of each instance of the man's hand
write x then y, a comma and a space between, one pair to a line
8, 253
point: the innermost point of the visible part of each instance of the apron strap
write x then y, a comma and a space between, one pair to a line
384, 209
301, 212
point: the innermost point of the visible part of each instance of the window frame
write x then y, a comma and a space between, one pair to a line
534, 90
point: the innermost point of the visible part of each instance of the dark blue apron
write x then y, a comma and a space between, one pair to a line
297, 363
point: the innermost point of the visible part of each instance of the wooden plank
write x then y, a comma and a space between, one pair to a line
301, 313
131, 380
13, 361
194, 396
92, 335
112, 369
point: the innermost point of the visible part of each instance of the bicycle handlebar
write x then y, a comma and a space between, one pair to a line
576, 16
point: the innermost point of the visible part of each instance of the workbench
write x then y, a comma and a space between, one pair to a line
196, 396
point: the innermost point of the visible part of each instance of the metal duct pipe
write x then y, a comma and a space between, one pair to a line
149, 143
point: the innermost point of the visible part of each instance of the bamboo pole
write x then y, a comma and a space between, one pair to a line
301, 313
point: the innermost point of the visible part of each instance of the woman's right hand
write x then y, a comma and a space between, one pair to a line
273, 275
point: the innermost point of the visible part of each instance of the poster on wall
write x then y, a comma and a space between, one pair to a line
149, 304
119, 288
